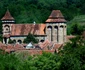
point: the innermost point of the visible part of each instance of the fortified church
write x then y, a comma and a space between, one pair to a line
54, 29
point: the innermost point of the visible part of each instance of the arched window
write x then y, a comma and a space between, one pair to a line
50, 27
56, 27
56, 30
65, 26
7, 28
41, 40
61, 26
19, 41
14, 41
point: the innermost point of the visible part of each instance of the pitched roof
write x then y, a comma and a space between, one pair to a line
70, 36
6, 35
56, 16
24, 29
44, 45
57, 46
7, 16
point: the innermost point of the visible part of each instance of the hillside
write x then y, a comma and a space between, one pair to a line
39, 10
27, 11
78, 19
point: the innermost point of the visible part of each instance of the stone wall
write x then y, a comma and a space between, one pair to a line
56, 32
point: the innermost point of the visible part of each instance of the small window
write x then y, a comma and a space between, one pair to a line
14, 41
19, 41
7, 29
56, 27
61, 26
42, 41
50, 27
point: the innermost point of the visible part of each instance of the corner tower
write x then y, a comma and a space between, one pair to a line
56, 27
7, 22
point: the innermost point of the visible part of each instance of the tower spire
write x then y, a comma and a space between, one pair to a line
56, 16
7, 17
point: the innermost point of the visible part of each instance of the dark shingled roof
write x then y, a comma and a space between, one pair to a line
56, 16
7, 16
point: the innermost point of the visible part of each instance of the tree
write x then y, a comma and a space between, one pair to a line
1, 38
70, 62
30, 38
9, 62
10, 41
76, 29
73, 55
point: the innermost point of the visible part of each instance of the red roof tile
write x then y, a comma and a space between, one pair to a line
44, 45
10, 46
24, 29
7, 16
70, 37
56, 16
18, 47
6, 35
57, 46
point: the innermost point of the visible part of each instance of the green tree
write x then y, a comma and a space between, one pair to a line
73, 55
70, 62
1, 38
30, 38
10, 41
76, 29
9, 62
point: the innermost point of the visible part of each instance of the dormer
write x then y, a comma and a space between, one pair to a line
7, 18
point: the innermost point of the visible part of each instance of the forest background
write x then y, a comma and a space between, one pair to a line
28, 11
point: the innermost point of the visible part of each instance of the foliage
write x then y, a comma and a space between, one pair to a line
71, 57
10, 41
0, 29
9, 62
28, 11
75, 29
31, 10
30, 38
1, 38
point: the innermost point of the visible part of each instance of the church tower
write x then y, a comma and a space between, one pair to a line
7, 22
56, 27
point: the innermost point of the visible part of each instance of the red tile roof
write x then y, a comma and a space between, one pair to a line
70, 36
6, 35
2, 46
44, 45
18, 47
57, 46
24, 29
56, 16
7, 16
